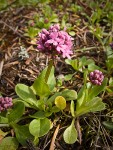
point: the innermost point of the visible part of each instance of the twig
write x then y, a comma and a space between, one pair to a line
9, 82
1, 67
11, 28
52, 146
46, 142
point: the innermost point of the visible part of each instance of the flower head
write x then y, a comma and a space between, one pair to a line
5, 103
55, 41
96, 77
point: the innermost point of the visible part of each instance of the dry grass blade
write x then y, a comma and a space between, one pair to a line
79, 131
1, 67
52, 146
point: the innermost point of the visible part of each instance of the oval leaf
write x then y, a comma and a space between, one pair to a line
68, 77
60, 102
69, 94
9, 143
72, 33
70, 134
25, 93
34, 127
45, 125
39, 127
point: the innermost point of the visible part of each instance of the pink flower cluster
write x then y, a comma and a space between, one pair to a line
96, 77
54, 41
5, 103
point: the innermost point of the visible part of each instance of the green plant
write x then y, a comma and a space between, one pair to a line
40, 21
51, 101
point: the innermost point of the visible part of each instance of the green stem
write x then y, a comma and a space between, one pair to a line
66, 115
48, 70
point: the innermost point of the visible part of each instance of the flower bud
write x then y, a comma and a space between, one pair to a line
96, 77
5, 103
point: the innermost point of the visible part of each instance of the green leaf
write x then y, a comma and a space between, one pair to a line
55, 109
92, 67
9, 143
3, 4
72, 33
32, 32
39, 115
108, 124
39, 127
48, 113
40, 87
69, 94
34, 127
109, 63
51, 80
52, 98
41, 104
72, 108
22, 133
82, 95
60, 102
79, 64
45, 125
40, 24
111, 81
29, 2
87, 94
55, 20
68, 77
16, 112
70, 134
97, 89
3, 119
25, 93
110, 87
25, 103
73, 63
93, 105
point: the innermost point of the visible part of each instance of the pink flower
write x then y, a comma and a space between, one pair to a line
96, 77
5, 103
54, 41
